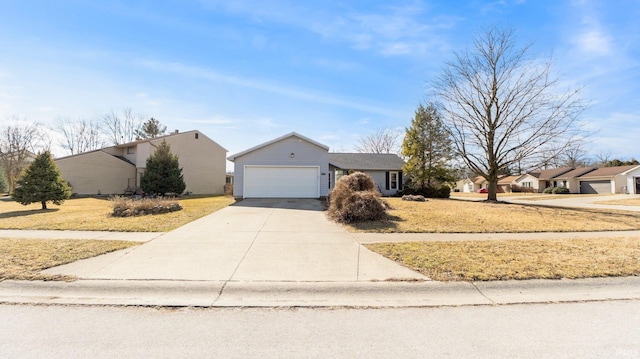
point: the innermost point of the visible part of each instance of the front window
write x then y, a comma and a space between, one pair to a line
393, 180
130, 150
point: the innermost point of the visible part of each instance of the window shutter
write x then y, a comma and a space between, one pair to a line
386, 175
400, 180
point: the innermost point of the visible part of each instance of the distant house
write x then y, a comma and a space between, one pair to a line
385, 169
571, 179
117, 169
537, 181
506, 183
471, 185
621, 179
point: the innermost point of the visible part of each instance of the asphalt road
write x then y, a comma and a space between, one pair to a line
574, 330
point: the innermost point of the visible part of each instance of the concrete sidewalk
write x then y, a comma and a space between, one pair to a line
95, 235
316, 294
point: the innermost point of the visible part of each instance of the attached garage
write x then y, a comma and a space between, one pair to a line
595, 187
291, 166
281, 182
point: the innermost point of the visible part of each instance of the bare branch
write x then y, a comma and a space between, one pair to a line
380, 141
504, 109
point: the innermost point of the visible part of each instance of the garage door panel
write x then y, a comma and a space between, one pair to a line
595, 187
281, 182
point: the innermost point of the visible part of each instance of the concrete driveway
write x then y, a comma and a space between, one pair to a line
252, 240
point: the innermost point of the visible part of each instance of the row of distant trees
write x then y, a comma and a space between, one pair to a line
20, 140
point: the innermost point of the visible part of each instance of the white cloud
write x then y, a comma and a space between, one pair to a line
289, 91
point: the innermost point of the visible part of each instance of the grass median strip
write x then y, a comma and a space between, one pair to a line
451, 216
513, 259
23, 259
94, 214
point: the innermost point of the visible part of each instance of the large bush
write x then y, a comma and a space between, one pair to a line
41, 182
356, 199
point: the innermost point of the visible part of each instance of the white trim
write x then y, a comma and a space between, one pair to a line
292, 134
397, 181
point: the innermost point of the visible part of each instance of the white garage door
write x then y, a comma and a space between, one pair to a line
281, 182
595, 187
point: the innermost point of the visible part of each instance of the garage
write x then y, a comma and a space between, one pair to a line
281, 181
595, 187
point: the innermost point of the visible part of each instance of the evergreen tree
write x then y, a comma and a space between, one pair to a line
163, 173
41, 182
151, 129
427, 147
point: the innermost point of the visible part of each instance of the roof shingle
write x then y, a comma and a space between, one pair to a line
366, 161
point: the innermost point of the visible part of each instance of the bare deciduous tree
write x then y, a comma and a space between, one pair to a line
121, 127
503, 107
79, 135
602, 158
380, 141
19, 143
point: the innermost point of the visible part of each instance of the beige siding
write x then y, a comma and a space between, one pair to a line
96, 172
202, 160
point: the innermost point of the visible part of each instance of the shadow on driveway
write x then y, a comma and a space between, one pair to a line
306, 204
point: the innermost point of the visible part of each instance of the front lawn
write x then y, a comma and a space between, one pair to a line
453, 216
94, 214
513, 259
23, 259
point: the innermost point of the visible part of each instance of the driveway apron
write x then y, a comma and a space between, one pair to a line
252, 240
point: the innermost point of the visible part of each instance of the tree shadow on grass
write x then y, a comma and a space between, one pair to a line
390, 224
28, 212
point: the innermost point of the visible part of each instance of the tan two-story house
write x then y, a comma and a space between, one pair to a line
117, 169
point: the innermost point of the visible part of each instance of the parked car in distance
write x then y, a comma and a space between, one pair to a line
483, 190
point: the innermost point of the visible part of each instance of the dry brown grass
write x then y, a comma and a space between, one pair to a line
550, 196
622, 202
23, 259
93, 214
503, 260
451, 216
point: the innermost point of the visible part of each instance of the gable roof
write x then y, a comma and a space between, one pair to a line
291, 134
550, 173
507, 179
609, 171
175, 133
366, 161
575, 173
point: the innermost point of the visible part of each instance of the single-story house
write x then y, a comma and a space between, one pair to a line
505, 184
570, 179
117, 169
295, 166
621, 179
472, 185
384, 168
539, 180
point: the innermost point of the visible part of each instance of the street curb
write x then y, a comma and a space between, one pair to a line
229, 294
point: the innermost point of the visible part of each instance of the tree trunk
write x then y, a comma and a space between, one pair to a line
44, 204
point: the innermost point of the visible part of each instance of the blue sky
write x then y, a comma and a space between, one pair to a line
244, 72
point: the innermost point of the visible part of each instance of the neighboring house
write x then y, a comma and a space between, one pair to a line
385, 169
539, 180
571, 180
116, 169
291, 166
471, 185
505, 184
621, 179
